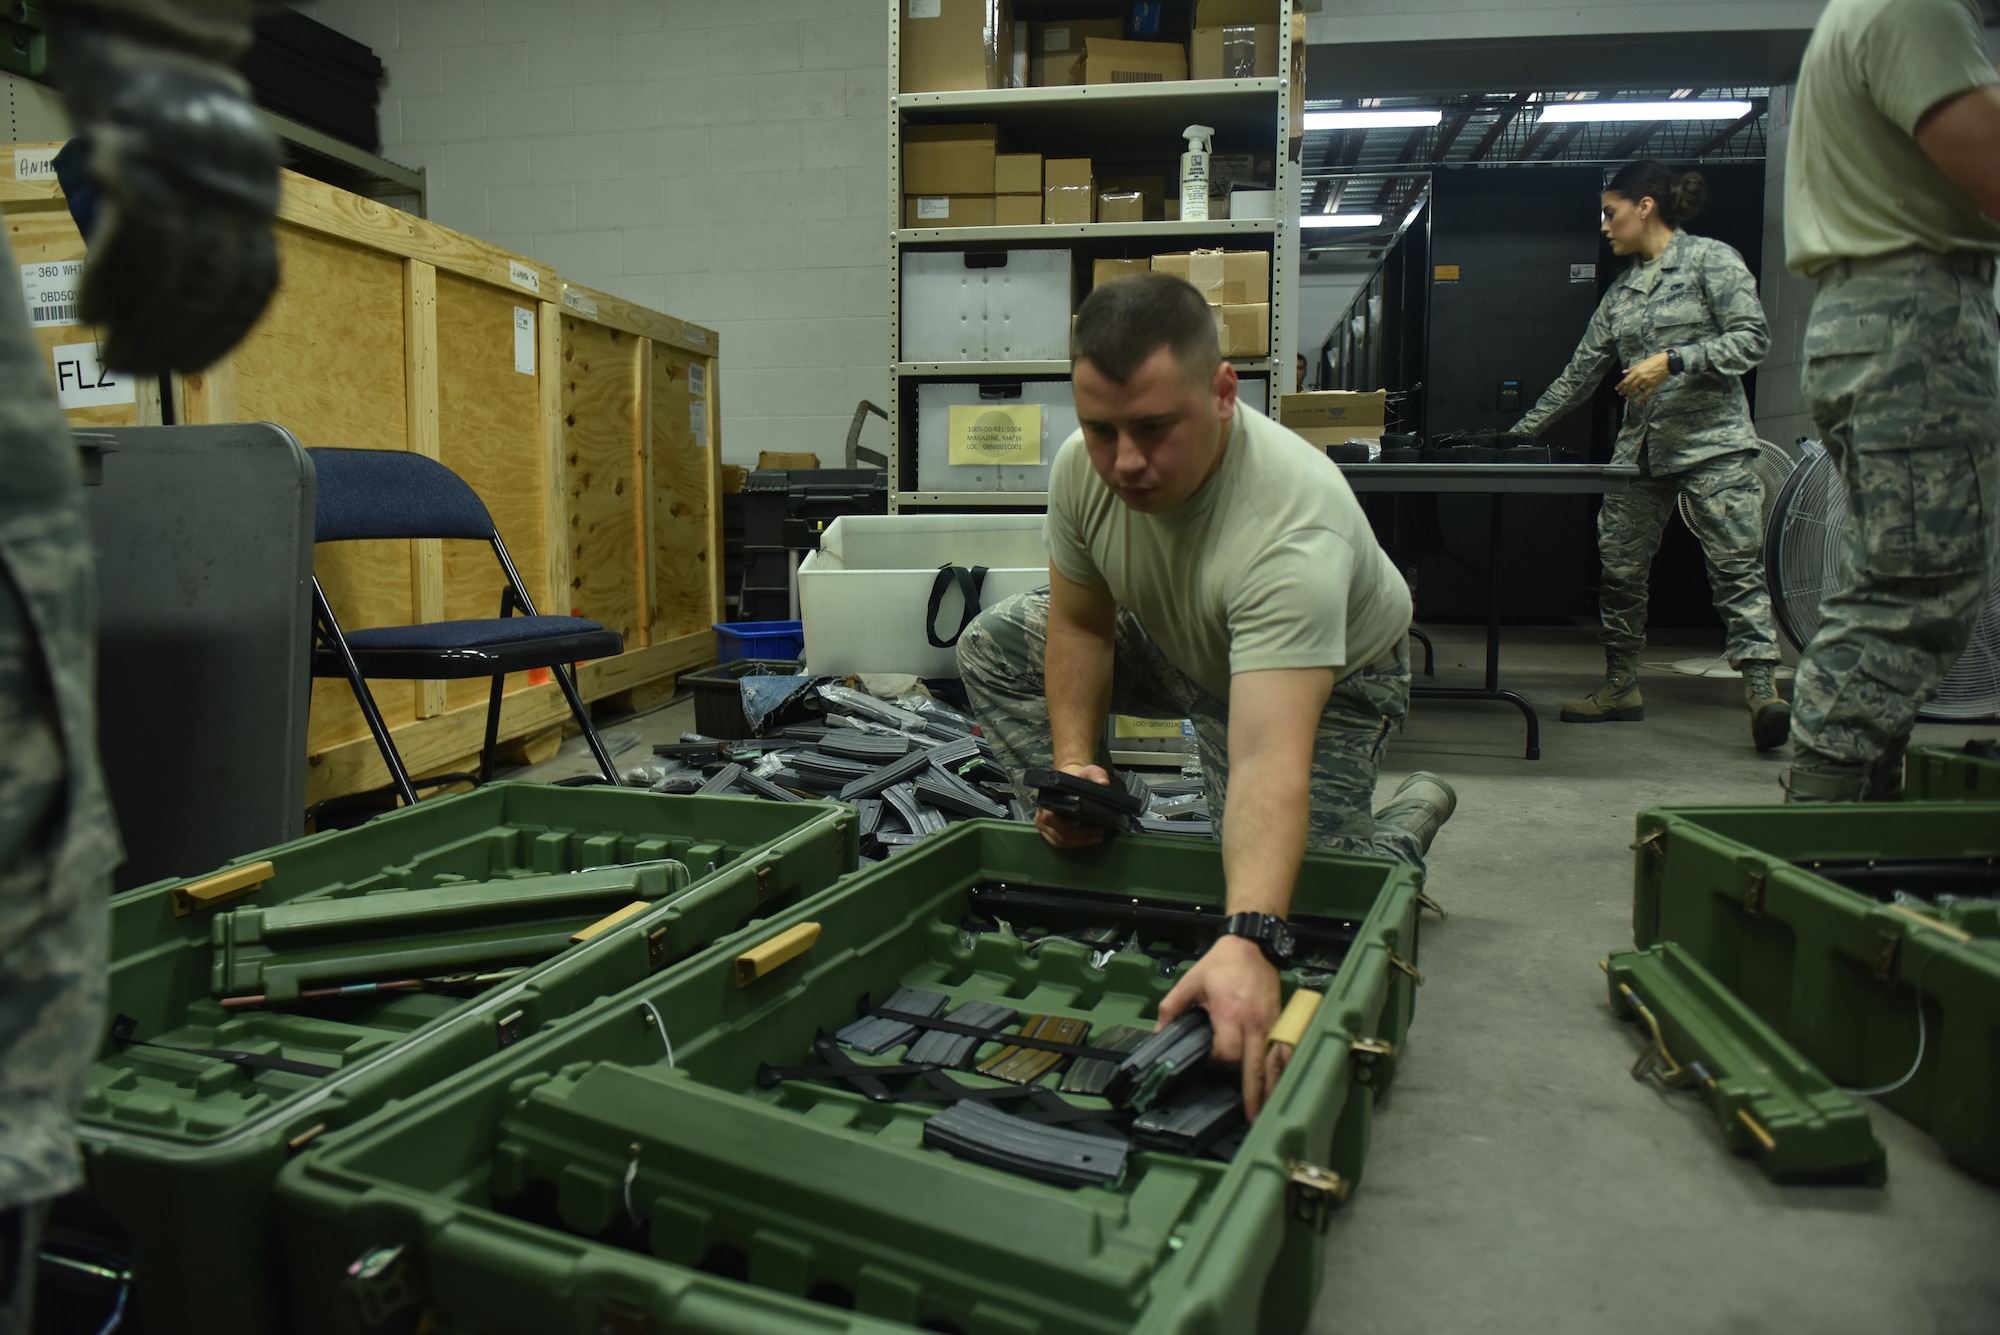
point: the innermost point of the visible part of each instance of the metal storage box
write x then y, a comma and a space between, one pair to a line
611, 1176
864, 593
1901, 997
935, 400
180, 1148
985, 306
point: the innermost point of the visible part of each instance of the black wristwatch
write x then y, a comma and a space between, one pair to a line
1674, 363
1271, 933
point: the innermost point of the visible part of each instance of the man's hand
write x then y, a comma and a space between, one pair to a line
182, 261
1238, 988
1640, 381
1061, 831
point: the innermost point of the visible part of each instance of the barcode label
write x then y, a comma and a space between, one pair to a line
49, 291
1136, 76
698, 380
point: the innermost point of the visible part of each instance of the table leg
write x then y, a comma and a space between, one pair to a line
1491, 690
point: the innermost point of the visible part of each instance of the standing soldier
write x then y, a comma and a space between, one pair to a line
181, 263
1684, 324
1892, 187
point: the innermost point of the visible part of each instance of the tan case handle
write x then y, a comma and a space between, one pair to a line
767, 955
610, 920
1298, 1013
211, 891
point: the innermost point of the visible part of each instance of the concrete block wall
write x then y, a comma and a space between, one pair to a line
724, 161
1780, 411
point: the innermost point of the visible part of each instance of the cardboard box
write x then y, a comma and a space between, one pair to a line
1067, 191
1066, 171
1334, 416
1152, 188
1108, 61
1242, 51
733, 478
1017, 210
1228, 13
1069, 204
1055, 55
1225, 277
1121, 206
949, 44
1104, 271
1017, 174
950, 159
779, 459
947, 210
1244, 330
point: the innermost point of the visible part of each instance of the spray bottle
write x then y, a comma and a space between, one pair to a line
1194, 173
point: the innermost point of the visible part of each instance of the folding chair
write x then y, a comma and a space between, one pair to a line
392, 494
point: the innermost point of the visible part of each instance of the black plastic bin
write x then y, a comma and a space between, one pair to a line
718, 701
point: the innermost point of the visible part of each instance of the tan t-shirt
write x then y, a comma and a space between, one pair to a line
1270, 565
1856, 183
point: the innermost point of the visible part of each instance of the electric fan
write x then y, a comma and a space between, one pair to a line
1802, 561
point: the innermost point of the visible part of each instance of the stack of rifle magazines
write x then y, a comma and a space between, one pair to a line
912, 771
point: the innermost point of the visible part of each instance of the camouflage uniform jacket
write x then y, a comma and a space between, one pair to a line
1701, 300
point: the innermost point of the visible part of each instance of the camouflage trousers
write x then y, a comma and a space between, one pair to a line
1728, 503
1000, 659
58, 842
1900, 377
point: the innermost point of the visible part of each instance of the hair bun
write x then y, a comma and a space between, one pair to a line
1690, 195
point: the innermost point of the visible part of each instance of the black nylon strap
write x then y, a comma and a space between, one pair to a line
1080, 1050
124, 1026
969, 584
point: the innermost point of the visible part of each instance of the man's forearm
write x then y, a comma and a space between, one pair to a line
1076, 678
1264, 833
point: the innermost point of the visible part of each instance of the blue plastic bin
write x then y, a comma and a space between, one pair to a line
759, 639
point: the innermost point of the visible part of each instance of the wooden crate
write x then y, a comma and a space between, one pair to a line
596, 460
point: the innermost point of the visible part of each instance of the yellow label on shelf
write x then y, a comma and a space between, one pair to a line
1445, 273
992, 433
1125, 725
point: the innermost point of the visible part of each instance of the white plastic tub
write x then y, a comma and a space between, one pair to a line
863, 594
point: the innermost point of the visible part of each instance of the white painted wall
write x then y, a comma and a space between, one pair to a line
1324, 295
724, 161
1342, 21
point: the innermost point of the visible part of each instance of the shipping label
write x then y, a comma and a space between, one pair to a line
988, 434
524, 340
523, 276
49, 291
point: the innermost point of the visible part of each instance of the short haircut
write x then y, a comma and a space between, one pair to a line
1124, 322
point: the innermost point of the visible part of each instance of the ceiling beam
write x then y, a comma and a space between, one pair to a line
1409, 153
1559, 146
1514, 107
1729, 131
1633, 141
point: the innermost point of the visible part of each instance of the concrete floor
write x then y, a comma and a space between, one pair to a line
1519, 1179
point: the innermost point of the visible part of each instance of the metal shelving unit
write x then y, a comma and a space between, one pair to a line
1090, 120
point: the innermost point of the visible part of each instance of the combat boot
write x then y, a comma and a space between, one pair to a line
1770, 716
1616, 698
1421, 804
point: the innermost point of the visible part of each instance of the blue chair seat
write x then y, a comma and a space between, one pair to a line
446, 650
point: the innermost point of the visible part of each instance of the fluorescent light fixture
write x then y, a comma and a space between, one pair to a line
1407, 119
1341, 220
1689, 110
